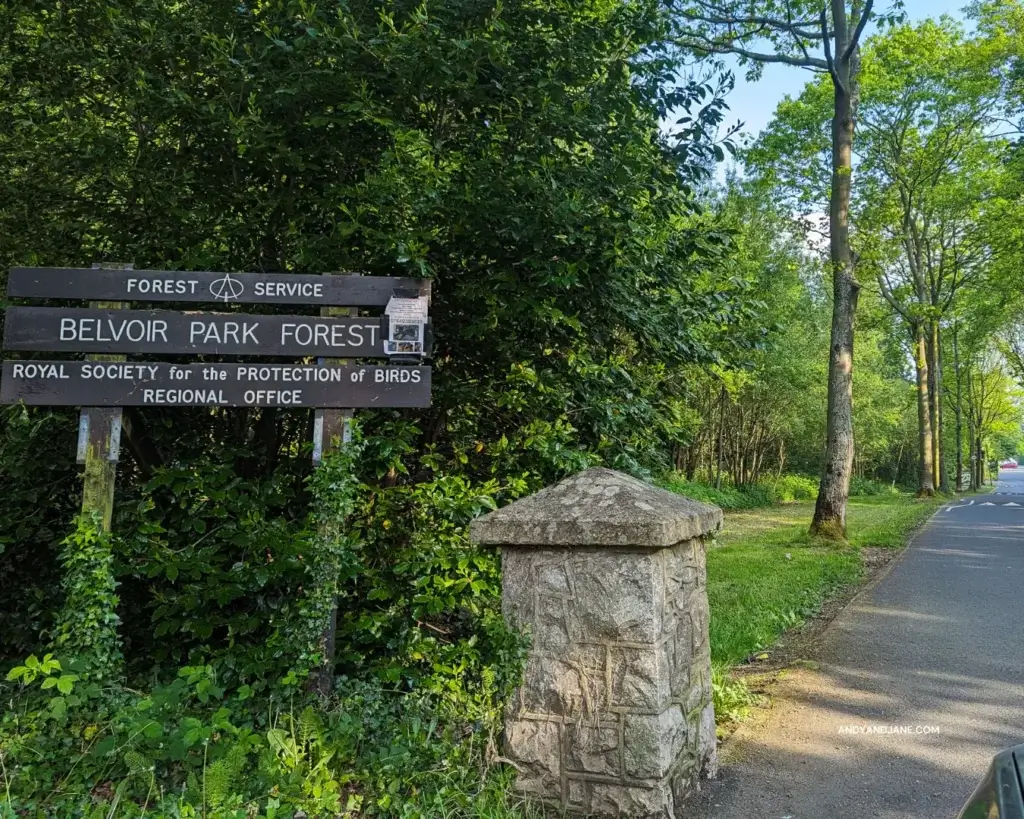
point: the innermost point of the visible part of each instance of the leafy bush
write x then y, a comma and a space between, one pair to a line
38, 501
868, 487
232, 733
795, 488
86, 631
464, 143
193, 748
727, 497
781, 490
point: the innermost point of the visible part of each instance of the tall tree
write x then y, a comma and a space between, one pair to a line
791, 31
991, 407
928, 166
931, 185
1012, 347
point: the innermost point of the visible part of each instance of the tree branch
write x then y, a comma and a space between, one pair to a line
718, 48
886, 290
855, 39
830, 64
807, 30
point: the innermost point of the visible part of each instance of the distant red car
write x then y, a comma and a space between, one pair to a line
1010, 464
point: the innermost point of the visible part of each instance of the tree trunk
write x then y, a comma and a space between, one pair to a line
834, 491
935, 404
959, 413
931, 400
959, 442
933, 412
979, 462
899, 460
926, 478
691, 462
973, 456
939, 412
721, 435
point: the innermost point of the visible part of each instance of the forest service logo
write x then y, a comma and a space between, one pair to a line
227, 288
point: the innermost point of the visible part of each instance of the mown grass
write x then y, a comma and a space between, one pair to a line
767, 574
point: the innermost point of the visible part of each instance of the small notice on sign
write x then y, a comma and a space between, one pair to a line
408, 318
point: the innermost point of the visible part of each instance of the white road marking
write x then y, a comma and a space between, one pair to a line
987, 504
1011, 503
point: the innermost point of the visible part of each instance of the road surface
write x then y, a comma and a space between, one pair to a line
919, 682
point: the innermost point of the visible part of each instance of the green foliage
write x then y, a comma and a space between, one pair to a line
37, 507
727, 497
33, 668
789, 488
48, 670
330, 557
87, 627
783, 489
210, 558
192, 745
732, 697
865, 487
421, 607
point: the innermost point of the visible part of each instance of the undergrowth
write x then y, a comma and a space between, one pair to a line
239, 730
768, 491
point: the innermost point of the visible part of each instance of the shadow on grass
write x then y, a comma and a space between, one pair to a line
767, 574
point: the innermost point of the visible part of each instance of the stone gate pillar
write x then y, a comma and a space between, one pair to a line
607, 574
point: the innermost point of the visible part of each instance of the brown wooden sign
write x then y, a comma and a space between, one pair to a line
205, 286
146, 384
165, 332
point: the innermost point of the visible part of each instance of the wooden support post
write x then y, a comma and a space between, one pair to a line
331, 428
99, 436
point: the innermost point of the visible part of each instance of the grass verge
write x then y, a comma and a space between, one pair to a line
766, 574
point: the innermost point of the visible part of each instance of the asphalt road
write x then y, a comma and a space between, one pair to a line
934, 649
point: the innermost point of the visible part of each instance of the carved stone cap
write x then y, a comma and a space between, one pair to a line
598, 507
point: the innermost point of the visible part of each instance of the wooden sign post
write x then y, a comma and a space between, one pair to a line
99, 439
108, 331
331, 428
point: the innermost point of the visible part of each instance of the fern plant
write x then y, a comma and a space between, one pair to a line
299, 762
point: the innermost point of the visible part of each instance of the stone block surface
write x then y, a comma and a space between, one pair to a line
536, 747
640, 678
598, 507
620, 799
652, 744
617, 596
565, 683
614, 717
594, 749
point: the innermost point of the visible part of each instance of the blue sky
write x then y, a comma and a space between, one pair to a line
754, 103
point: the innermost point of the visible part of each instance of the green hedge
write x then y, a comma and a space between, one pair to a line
785, 489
